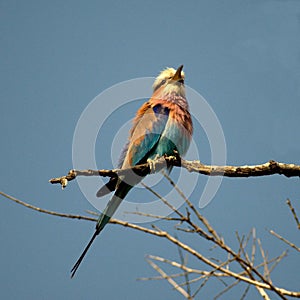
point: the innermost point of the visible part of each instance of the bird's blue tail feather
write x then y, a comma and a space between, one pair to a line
104, 218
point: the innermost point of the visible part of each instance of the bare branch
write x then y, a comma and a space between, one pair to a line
269, 168
163, 234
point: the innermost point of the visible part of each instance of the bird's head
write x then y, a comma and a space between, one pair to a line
171, 81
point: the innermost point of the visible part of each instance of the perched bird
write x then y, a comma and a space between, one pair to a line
162, 125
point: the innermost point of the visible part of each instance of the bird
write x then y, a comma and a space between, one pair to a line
162, 126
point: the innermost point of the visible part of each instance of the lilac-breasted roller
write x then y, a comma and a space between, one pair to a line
162, 125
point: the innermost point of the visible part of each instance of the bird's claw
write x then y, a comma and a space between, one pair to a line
151, 163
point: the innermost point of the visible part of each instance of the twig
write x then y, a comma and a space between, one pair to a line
199, 216
245, 292
159, 277
153, 216
288, 202
265, 259
201, 286
226, 289
163, 200
284, 240
253, 246
277, 260
169, 279
186, 274
185, 268
45, 211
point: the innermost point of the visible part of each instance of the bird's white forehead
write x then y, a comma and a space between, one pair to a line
165, 74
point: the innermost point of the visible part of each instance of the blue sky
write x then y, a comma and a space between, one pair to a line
242, 56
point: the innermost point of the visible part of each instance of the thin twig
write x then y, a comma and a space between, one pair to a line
288, 202
159, 277
245, 292
153, 216
253, 246
184, 267
169, 279
45, 211
199, 216
284, 240
226, 289
201, 286
277, 260
186, 274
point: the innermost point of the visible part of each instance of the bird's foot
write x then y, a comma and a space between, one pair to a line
151, 163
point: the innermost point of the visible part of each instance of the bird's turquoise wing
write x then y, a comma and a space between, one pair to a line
147, 134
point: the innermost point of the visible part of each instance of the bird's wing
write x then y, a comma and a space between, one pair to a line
145, 134
147, 130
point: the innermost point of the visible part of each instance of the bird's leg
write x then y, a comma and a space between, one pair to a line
151, 163
177, 156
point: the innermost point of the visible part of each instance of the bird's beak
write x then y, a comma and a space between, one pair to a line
178, 76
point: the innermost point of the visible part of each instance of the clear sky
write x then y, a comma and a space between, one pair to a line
243, 57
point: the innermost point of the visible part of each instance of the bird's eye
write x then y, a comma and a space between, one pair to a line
163, 82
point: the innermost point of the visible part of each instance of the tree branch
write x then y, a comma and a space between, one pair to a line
163, 234
269, 168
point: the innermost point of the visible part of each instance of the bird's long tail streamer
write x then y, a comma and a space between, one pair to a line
76, 266
112, 206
